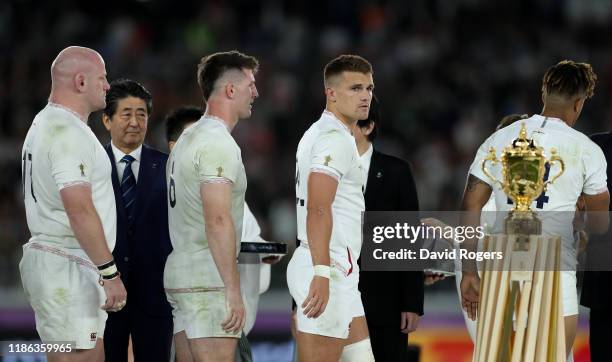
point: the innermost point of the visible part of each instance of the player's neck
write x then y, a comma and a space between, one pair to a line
556, 113
72, 104
349, 123
223, 114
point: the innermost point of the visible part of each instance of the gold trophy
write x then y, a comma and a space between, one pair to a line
523, 168
526, 281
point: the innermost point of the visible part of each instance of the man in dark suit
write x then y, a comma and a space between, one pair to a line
143, 241
393, 301
596, 291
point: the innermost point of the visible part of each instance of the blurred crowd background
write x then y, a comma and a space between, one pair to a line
445, 71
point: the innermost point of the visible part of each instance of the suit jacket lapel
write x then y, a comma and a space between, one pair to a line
375, 175
146, 176
115, 180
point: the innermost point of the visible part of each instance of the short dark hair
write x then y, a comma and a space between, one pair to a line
569, 79
123, 88
373, 117
176, 120
346, 63
212, 67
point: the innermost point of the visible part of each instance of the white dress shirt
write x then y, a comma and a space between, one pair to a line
121, 165
366, 159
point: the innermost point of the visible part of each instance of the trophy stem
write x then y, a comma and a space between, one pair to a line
522, 223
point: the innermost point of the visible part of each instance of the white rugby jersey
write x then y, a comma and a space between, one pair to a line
329, 147
585, 170
60, 150
585, 164
205, 152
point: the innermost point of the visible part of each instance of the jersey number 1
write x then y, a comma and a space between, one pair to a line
27, 157
172, 189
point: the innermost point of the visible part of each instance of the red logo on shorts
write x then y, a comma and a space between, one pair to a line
92, 336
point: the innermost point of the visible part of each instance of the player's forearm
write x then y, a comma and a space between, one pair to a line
221, 237
319, 223
470, 217
475, 196
597, 216
87, 227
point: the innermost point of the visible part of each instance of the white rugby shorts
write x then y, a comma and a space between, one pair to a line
195, 291
62, 287
344, 302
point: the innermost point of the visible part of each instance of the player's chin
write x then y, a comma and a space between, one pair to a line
362, 113
101, 104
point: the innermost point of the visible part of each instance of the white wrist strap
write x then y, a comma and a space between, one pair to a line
108, 271
322, 271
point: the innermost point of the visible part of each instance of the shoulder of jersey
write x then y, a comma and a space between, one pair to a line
328, 124
512, 131
60, 124
331, 128
581, 137
208, 132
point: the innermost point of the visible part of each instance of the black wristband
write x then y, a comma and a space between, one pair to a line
112, 276
106, 265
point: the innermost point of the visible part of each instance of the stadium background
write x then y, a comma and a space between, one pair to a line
445, 71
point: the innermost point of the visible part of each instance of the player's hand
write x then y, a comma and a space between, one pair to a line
433, 278
470, 293
409, 322
318, 296
236, 315
116, 295
272, 259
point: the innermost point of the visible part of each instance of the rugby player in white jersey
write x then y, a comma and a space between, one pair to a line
323, 275
254, 277
67, 269
565, 88
206, 186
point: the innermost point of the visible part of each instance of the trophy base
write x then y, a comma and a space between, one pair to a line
520, 315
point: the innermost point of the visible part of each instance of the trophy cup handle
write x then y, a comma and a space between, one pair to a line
553, 160
491, 157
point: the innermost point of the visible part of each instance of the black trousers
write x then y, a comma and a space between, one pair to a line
151, 336
600, 321
389, 344
243, 350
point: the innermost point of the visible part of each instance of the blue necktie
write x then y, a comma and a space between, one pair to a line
128, 187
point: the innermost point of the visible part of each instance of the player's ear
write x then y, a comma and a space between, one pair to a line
229, 90
330, 93
80, 82
578, 103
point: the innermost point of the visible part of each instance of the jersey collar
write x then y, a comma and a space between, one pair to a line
217, 120
331, 115
66, 109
